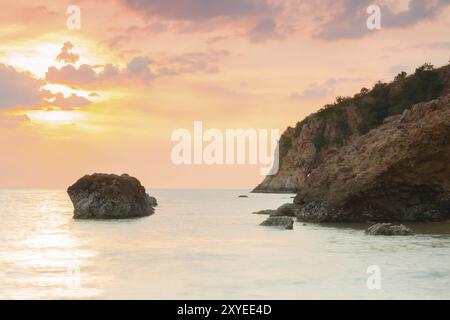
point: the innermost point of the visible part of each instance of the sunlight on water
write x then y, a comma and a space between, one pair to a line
206, 244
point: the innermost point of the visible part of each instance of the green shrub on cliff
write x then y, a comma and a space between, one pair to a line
374, 105
387, 100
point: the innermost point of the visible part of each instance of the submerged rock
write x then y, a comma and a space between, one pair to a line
264, 212
388, 229
287, 209
282, 222
243, 196
109, 196
152, 200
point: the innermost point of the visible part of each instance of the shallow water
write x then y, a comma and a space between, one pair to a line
206, 244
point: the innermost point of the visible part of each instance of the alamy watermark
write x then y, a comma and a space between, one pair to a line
373, 22
73, 281
374, 279
74, 19
233, 146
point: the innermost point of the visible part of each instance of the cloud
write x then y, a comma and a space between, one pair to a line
12, 121
140, 68
323, 90
71, 75
66, 55
19, 89
349, 17
137, 68
264, 29
192, 62
32, 13
194, 10
441, 45
69, 103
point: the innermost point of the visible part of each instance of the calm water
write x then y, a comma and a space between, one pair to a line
206, 244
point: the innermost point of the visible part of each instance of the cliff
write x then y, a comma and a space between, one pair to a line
314, 142
399, 171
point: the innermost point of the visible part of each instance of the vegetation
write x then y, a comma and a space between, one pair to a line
382, 101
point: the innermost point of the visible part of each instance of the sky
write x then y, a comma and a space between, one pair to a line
107, 96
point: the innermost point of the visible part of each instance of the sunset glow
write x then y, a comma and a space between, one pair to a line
131, 75
56, 117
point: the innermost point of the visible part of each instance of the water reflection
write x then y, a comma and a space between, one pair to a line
196, 247
47, 260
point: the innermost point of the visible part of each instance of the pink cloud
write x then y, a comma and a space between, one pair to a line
19, 89
12, 121
71, 75
71, 102
141, 68
348, 17
194, 10
66, 55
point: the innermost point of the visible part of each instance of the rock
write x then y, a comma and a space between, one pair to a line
388, 229
282, 222
372, 158
307, 146
388, 174
266, 212
109, 196
243, 196
152, 200
287, 209
317, 212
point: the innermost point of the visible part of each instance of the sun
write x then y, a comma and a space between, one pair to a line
56, 117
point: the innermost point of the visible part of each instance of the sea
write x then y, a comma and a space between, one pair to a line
207, 244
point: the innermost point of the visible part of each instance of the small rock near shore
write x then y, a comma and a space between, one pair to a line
287, 209
264, 212
277, 221
152, 200
389, 229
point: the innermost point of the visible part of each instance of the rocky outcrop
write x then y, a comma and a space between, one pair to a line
109, 196
286, 223
264, 212
287, 210
388, 229
152, 200
320, 136
399, 171
378, 156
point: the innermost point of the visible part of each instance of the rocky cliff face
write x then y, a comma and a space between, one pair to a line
320, 137
399, 171
301, 150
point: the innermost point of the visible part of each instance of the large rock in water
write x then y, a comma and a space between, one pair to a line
109, 196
